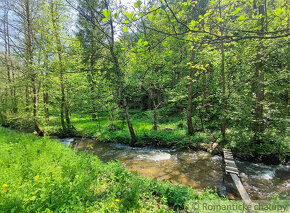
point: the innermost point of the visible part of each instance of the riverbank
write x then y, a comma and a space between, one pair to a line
40, 174
171, 133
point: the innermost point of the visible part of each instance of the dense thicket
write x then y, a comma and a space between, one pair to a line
220, 67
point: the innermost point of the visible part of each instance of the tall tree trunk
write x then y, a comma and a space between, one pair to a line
45, 89
93, 84
224, 100
94, 116
190, 93
180, 64
259, 81
32, 71
64, 109
173, 75
123, 97
26, 99
151, 95
8, 62
121, 87
45, 102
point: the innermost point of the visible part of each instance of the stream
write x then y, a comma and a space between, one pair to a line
197, 169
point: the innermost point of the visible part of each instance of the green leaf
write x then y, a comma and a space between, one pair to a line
219, 20
191, 24
184, 8
241, 18
150, 16
126, 21
107, 13
137, 4
140, 41
165, 43
115, 15
125, 28
236, 11
105, 19
129, 15
145, 43
278, 11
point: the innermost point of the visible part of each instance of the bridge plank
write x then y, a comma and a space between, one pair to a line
246, 198
231, 168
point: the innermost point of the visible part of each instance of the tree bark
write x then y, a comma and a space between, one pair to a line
64, 109
224, 100
45, 90
124, 99
180, 64
93, 84
151, 95
173, 75
30, 59
190, 93
259, 81
121, 87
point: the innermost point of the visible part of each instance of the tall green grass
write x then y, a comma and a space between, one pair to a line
42, 175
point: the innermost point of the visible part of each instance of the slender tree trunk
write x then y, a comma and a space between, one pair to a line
33, 75
45, 102
180, 64
121, 87
45, 89
93, 84
64, 109
190, 93
62, 105
124, 99
94, 116
224, 100
99, 120
151, 95
259, 82
173, 78
158, 96
26, 99
8, 63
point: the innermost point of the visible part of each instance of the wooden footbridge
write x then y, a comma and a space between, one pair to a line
231, 168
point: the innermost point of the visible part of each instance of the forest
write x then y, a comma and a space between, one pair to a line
186, 74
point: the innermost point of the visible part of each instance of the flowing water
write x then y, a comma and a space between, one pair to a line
197, 169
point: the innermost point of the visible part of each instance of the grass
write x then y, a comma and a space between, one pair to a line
170, 132
41, 175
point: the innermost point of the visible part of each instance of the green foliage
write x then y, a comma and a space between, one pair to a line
106, 13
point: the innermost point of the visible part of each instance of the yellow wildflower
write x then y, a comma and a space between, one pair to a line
46, 178
117, 200
37, 176
4, 185
112, 206
4, 191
